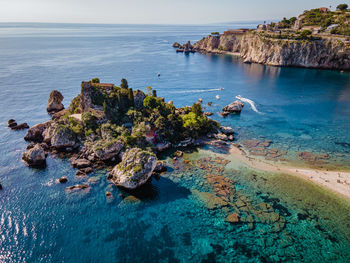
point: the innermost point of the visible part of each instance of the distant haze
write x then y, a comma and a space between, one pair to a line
153, 11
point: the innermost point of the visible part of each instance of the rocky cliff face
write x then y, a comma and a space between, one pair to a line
254, 48
228, 43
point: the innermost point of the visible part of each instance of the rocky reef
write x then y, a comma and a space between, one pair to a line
115, 126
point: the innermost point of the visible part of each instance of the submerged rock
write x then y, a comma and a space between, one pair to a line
77, 187
55, 102
234, 107
135, 169
211, 201
35, 157
232, 218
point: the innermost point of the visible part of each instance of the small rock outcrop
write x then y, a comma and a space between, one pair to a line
35, 157
11, 123
176, 45
55, 102
135, 169
234, 107
62, 180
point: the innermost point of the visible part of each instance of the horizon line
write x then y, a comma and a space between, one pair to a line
159, 24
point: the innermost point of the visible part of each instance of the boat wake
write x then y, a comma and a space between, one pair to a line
194, 91
250, 102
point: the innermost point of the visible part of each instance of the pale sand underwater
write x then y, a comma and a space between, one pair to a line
336, 181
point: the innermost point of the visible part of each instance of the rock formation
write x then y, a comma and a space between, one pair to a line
35, 133
234, 107
55, 102
135, 169
35, 157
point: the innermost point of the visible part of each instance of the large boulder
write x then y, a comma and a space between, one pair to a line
64, 138
35, 157
35, 133
55, 102
60, 137
234, 107
107, 150
134, 170
139, 96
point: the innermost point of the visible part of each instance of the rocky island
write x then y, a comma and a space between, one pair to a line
115, 126
319, 38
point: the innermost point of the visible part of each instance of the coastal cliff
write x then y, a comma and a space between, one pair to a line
254, 47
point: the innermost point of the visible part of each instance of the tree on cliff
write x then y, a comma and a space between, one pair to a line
342, 7
95, 80
124, 84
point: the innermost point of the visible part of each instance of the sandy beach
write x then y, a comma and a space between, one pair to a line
336, 181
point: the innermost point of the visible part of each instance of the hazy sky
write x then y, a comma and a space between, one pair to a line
153, 11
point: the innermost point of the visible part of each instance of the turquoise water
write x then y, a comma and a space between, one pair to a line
300, 110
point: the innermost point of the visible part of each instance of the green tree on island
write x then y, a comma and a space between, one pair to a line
342, 7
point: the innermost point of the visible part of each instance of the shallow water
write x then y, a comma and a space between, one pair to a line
302, 110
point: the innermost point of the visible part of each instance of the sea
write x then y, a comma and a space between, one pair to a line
182, 216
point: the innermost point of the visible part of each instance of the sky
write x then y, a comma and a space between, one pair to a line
154, 11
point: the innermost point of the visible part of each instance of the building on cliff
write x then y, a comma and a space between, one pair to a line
236, 31
103, 86
324, 9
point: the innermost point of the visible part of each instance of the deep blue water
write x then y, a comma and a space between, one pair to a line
301, 110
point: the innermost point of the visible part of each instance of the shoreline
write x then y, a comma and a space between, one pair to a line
335, 181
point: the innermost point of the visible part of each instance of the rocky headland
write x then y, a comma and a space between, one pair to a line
297, 42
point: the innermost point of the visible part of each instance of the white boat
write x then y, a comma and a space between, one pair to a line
217, 97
